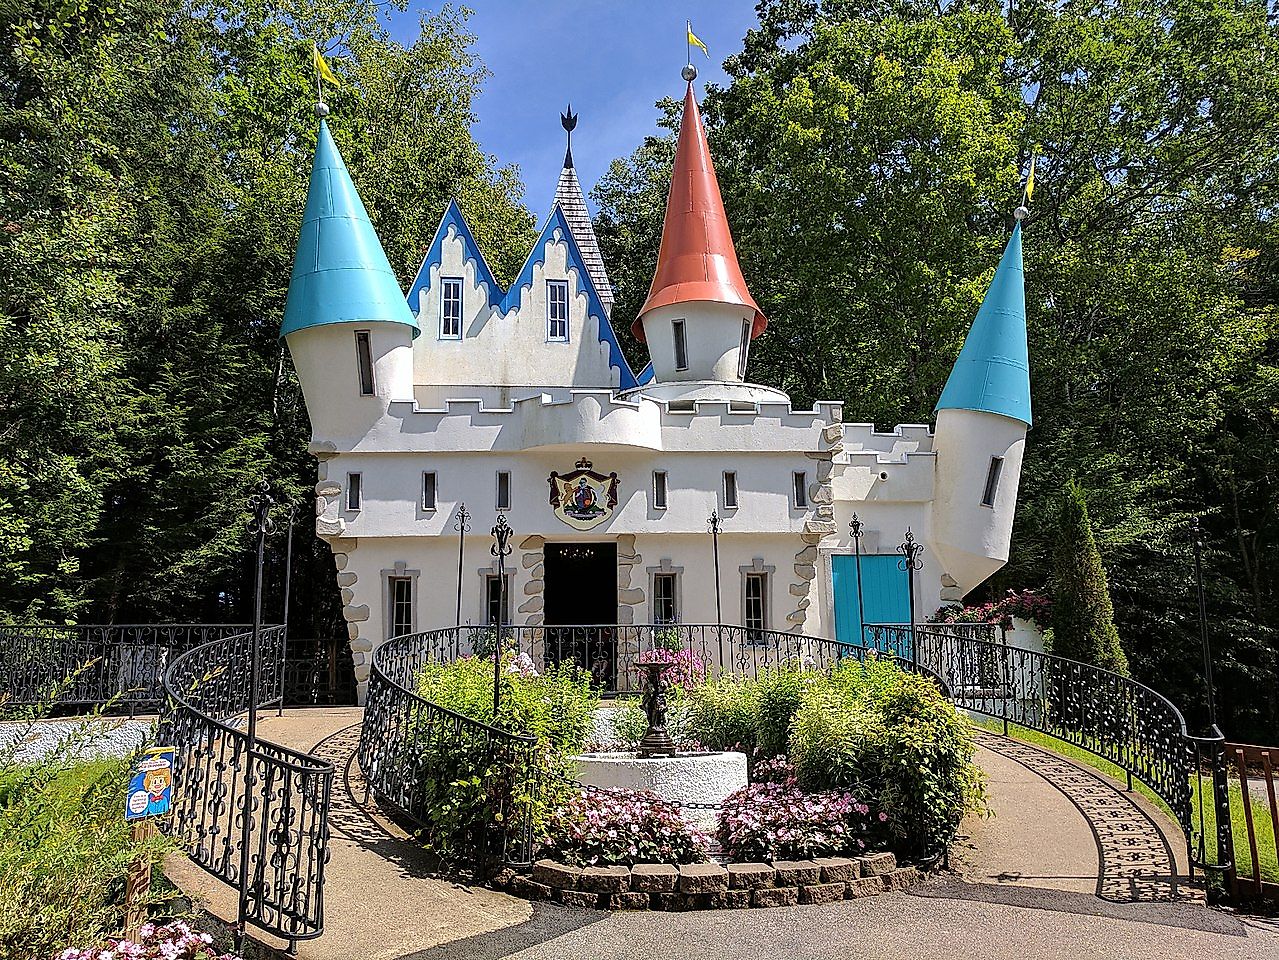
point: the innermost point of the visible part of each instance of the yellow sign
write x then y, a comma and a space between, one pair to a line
584, 498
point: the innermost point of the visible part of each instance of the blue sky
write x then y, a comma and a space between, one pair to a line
613, 59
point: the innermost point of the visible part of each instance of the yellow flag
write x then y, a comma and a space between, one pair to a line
322, 68
1030, 177
694, 40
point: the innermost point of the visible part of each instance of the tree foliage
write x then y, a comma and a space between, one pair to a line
154, 160
870, 155
1083, 617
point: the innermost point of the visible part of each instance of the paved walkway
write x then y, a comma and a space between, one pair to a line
1069, 866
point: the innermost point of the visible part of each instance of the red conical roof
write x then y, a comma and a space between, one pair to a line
697, 260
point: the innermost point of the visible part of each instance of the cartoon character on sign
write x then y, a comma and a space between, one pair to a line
157, 783
150, 791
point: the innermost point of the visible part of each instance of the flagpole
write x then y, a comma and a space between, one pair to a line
688, 44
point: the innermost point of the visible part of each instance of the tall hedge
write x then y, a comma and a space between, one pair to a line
1083, 617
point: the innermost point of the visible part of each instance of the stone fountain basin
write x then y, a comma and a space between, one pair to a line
683, 778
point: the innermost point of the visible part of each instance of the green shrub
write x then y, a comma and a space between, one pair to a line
1083, 616
723, 714
468, 783
65, 850
892, 733
780, 693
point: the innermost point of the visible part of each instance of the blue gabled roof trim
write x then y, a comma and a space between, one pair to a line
507, 300
992, 372
453, 218
645, 376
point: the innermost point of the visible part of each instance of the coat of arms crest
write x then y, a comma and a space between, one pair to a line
584, 498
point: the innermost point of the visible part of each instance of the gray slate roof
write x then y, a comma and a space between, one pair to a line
568, 194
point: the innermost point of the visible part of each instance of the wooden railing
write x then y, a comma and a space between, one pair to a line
1257, 769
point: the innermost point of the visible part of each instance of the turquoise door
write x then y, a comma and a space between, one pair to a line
884, 596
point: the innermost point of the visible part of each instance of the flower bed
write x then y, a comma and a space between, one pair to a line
172, 941
621, 827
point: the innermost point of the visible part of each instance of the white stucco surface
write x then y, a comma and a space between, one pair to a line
702, 778
73, 739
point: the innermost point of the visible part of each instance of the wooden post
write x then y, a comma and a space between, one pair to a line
138, 882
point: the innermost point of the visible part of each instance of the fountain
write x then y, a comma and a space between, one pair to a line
682, 777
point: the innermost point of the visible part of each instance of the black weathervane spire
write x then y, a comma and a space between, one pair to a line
568, 121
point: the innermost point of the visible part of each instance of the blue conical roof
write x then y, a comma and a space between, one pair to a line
340, 274
992, 372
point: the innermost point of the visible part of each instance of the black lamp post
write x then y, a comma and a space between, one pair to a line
461, 524
713, 525
855, 526
288, 581
1196, 533
260, 524
910, 562
501, 550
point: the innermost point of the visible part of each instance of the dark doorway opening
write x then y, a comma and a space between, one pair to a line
580, 596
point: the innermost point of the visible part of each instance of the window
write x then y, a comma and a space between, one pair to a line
664, 607
743, 349
730, 489
756, 602
800, 480
659, 489
401, 592
364, 359
428, 490
451, 308
557, 310
503, 490
496, 599
353, 491
681, 345
992, 481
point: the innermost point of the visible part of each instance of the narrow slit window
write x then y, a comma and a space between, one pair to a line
664, 607
756, 602
743, 349
557, 310
681, 345
354, 490
659, 489
503, 490
992, 481
497, 602
451, 308
401, 606
364, 359
730, 488
428, 490
800, 479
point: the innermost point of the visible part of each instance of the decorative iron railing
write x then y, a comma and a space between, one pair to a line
609, 651
286, 845
1109, 715
92, 665
411, 750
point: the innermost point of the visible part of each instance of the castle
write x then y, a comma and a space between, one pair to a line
520, 402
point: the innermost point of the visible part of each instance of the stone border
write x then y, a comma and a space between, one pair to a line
711, 886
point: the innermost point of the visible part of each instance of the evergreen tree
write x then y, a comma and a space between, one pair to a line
1083, 617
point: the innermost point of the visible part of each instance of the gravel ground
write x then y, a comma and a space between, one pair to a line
75, 738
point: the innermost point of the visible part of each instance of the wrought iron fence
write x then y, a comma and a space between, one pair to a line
412, 750
1109, 715
215, 770
609, 651
90, 665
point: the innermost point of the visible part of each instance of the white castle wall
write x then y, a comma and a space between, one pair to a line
510, 348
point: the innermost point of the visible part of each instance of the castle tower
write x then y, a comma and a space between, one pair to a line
347, 324
982, 419
570, 200
699, 318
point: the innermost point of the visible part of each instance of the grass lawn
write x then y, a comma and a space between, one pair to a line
1260, 807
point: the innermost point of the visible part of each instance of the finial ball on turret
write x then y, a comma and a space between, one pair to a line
689, 72
1021, 213
321, 109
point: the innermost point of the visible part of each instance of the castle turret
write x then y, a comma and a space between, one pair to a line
699, 318
347, 324
982, 419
